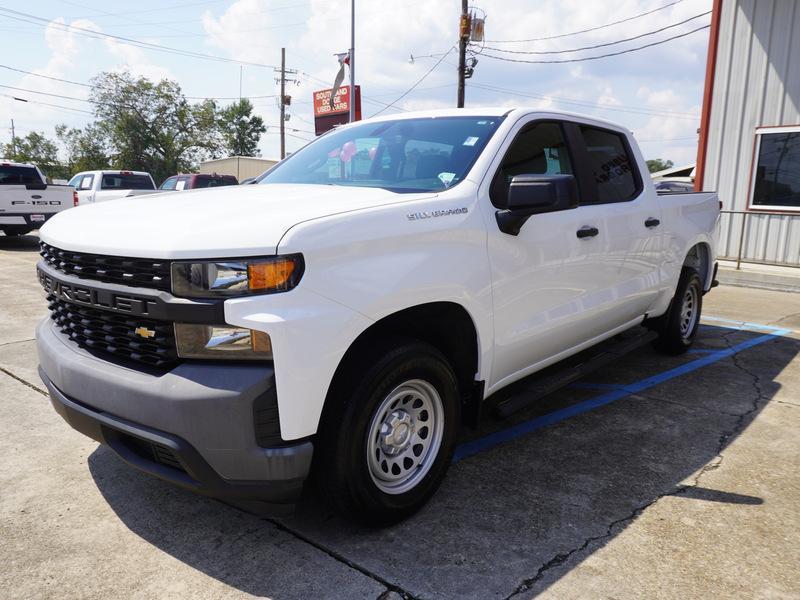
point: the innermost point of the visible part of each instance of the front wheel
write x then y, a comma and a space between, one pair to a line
678, 327
387, 441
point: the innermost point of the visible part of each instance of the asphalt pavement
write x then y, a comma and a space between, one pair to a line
657, 477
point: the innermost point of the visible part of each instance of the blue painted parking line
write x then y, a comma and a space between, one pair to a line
473, 447
745, 324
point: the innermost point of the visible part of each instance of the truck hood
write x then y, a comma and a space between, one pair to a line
229, 221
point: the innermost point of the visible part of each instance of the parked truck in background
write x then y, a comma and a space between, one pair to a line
101, 186
196, 181
27, 200
363, 301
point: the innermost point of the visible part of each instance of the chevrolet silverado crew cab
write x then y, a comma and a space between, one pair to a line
359, 304
27, 200
100, 186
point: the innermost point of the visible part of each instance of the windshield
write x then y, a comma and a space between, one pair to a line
407, 155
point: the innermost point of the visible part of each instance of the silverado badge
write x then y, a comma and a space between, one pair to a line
144, 332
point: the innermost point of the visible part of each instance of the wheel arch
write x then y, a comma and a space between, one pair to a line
698, 257
445, 325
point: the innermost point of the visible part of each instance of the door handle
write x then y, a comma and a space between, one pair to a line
651, 222
586, 232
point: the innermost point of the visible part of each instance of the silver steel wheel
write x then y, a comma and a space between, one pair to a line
404, 436
689, 312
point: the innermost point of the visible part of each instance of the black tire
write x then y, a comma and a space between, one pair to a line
343, 469
15, 230
677, 328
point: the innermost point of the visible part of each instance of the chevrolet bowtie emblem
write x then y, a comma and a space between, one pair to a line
144, 332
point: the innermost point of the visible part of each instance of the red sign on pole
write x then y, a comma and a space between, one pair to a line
327, 116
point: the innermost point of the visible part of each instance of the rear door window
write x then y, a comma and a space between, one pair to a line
211, 181
169, 184
124, 181
611, 165
12, 175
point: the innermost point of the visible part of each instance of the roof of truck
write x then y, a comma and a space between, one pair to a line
113, 172
11, 163
494, 111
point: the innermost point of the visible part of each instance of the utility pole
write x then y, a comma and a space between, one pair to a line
283, 103
352, 99
284, 100
463, 37
13, 139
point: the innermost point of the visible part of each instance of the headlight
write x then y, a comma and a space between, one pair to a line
236, 277
221, 341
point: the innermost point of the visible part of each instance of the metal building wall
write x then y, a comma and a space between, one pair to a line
756, 84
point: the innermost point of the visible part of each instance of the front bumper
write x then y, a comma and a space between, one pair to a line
194, 426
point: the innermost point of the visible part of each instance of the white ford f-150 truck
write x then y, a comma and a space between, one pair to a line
363, 301
101, 186
27, 200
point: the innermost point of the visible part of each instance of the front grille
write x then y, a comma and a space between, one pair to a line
138, 272
115, 333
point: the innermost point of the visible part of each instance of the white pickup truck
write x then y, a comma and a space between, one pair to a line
101, 186
363, 301
27, 200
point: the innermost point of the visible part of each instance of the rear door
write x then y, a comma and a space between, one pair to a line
83, 184
630, 215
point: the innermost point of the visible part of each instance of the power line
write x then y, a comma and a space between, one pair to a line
636, 37
587, 104
574, 60
420, 80
163, 8
44, 76
28, 18
89, 86
563, 35
80, 110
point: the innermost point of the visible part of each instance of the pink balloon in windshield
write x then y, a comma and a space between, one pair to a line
348, 152
334, 153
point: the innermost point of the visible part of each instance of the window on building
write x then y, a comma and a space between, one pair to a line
776, 176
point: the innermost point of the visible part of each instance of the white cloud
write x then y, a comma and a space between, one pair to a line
664, 79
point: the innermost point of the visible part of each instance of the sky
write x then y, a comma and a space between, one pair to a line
656, 91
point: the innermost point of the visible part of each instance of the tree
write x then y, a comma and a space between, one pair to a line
37, 149
152, 126
659, 164
86, 149
240, 129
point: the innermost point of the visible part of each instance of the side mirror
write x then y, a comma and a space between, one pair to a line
530, 195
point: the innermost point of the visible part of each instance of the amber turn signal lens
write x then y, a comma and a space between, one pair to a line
272, 275
260, 341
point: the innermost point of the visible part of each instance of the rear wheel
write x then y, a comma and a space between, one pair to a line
15, 230
387, 441
678, 327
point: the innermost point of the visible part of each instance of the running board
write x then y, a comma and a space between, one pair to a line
608, 353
